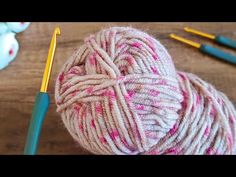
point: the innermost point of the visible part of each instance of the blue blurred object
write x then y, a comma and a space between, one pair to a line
8, 44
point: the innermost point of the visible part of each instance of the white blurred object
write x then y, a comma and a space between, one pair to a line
3, 28
17, 27
8, 44
8, 49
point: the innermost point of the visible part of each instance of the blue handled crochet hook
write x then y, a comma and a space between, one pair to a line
207, 49
41, 103
218, 39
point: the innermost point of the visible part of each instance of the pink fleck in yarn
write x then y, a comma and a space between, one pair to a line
121, 94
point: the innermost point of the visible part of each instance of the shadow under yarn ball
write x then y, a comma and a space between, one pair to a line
121, 94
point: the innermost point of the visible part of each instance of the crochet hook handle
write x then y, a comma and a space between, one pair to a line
226, 41
218, 39
207, 49
41, 103
40, 109
218, 53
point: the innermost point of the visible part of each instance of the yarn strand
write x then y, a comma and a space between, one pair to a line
120, 93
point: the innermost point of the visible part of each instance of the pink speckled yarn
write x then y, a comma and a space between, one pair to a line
121, 94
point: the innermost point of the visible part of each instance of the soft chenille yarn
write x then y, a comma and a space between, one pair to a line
120, 94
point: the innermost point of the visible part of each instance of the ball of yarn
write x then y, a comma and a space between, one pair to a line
120, 93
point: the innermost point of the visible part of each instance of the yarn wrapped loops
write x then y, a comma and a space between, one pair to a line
121, 94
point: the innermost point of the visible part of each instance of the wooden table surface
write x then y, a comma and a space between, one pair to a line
21, 80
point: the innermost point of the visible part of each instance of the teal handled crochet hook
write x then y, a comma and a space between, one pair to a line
207, 49
218, 39
41, 103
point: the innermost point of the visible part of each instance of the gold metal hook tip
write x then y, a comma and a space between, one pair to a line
186, 28
172, 35
199, 33
186, 41
49, 62
57, 31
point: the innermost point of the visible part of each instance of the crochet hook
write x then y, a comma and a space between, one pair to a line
42, 102
218, 39
207, 49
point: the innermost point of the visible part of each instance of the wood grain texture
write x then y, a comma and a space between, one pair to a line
21, 80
